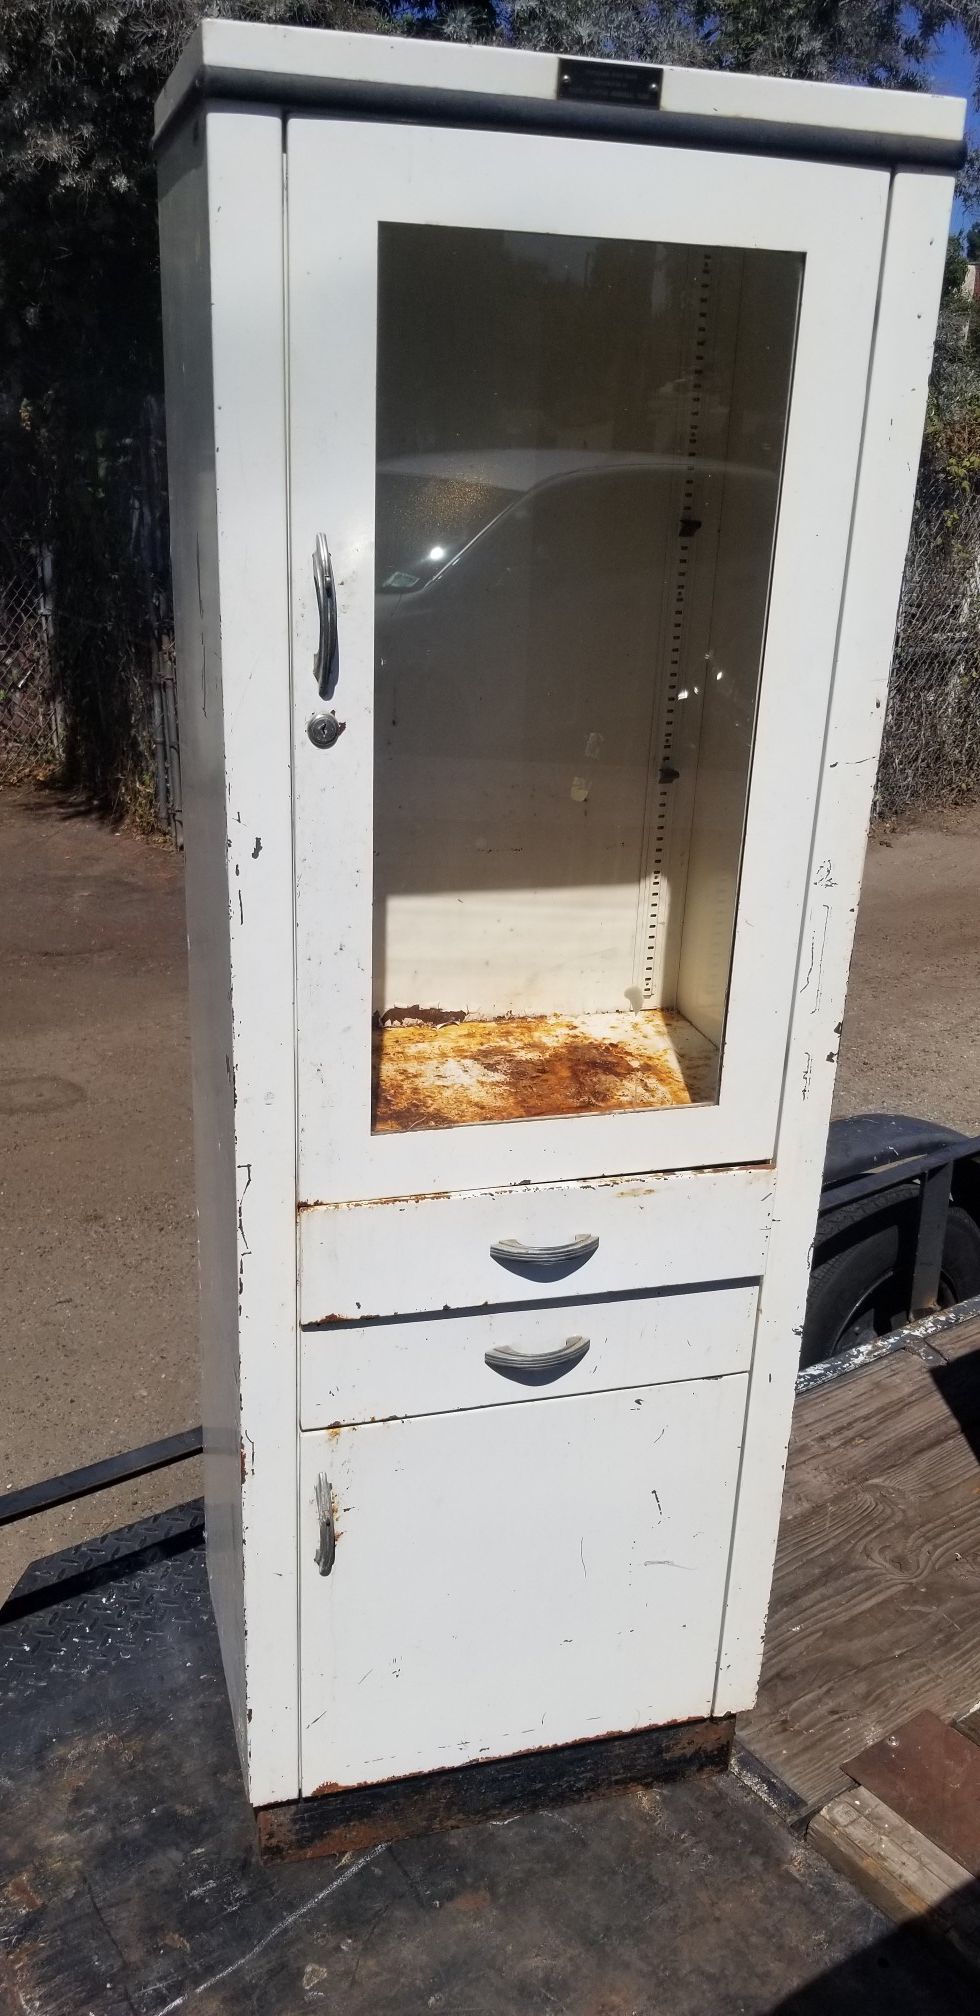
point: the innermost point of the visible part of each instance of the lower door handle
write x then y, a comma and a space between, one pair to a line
539, 1364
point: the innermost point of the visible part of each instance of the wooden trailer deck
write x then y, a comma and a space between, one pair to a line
875, 1609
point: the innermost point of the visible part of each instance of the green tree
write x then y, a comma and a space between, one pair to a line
78, 80
77, 84
855, 41
80, 351
954, 271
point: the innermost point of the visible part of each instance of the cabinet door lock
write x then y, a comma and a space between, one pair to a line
324, 730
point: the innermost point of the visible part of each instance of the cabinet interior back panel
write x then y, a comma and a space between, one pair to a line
576, 492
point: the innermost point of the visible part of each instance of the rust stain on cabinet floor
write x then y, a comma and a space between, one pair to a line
536, 1067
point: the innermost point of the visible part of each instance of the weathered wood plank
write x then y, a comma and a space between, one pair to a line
960, 1341
875, 1610
839, 1437
899, 1870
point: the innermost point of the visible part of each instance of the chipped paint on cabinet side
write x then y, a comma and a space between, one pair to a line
221, 191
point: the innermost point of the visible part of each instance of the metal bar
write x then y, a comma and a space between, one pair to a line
860, 1356
644, 124
893, 1173
751, 1771
923, 1339
32, 1498
930, 1239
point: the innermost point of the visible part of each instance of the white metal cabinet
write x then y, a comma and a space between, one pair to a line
601, 419
515, 1577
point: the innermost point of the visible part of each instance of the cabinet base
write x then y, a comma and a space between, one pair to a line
336, 1823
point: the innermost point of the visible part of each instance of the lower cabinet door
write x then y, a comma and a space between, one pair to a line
509, 1578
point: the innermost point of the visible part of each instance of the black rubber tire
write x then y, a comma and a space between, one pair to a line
864, 1250
961, 1255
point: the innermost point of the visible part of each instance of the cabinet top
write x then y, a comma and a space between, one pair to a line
388, 75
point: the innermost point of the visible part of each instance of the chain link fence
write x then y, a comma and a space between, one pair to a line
30, 714
931, 749
87, 690
86, 644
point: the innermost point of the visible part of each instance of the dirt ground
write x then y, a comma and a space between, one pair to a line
911, 1036
97, 1302
96, 1188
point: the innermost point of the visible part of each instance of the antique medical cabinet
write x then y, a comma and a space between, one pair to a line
542, 446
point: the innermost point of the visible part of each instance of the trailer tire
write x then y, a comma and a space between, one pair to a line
859, 1283
961, 1257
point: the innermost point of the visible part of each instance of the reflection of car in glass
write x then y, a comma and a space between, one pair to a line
429, 507
434, 510
510, 583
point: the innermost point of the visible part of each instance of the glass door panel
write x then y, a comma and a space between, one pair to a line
547, 400
579, 445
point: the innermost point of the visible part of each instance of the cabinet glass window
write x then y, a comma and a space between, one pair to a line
579, 445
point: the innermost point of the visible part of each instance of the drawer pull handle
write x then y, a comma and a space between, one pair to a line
514, 1253
537, 1364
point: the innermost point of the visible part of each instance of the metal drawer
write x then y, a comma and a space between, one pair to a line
409, 1256
438, 1364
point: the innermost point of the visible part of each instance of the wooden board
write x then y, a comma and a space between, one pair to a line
930, 1774
875, 1610
899, 1870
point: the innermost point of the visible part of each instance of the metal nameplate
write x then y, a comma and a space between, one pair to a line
610, 83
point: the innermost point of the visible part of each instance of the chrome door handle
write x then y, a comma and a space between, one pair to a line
511, 1251
326, 602
506, 1359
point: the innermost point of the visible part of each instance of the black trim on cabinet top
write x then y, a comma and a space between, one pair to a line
645, 125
